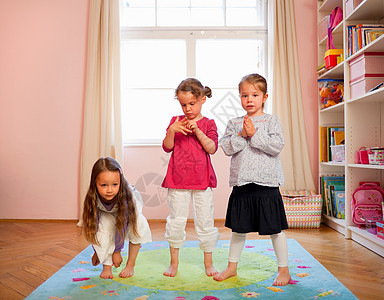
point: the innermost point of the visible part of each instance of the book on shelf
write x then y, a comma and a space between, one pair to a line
332, 187
330, 136
339, 137
321, 69
379, 86
328, 184
360, 35
339, 197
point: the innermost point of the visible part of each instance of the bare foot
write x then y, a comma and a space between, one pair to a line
230, 271
95, 259
208, 264
225, 275
127, 272
211, 271
117, 259
107, 272
282, 277
171, 271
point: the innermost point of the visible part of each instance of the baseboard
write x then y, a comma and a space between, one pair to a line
75, 221
39, 220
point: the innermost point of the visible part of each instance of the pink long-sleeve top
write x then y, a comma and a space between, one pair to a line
190, 165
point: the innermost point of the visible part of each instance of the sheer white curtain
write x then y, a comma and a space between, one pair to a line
102, 132
286, 93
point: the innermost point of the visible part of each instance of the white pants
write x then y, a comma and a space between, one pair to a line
279, 242
202, 203
107, 228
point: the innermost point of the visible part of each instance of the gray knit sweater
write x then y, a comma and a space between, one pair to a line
255, 160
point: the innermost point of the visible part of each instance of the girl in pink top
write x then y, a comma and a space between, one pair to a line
191, 138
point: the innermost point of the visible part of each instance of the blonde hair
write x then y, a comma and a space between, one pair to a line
257, 80
124, 202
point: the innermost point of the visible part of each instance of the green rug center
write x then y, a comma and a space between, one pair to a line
150, 265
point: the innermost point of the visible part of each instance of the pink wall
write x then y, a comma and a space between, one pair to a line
42, 74
306, 30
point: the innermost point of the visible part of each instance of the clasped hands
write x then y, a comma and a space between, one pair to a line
184, 126
248, 128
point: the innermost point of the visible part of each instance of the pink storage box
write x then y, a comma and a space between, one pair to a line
322, 28
361, 85
367, 63
350, 5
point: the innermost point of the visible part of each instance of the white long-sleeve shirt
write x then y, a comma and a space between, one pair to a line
106, 233
255, 160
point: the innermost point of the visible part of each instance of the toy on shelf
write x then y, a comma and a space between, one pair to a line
333, 57
331, 92
376, 156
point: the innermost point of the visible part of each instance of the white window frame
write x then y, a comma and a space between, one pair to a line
191, 34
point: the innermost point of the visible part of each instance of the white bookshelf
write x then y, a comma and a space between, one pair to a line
362, 117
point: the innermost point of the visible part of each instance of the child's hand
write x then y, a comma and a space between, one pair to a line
117, 259
192, 125
248, 127
180, 126
95, 259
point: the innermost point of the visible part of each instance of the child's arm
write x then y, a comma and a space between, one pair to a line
117, 259
209, 140
119, 242
270, 141
177, 126
208, 144
232, 142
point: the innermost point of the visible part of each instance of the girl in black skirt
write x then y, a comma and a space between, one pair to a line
254, 143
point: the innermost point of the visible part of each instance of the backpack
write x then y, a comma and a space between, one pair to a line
334, 19
367, 204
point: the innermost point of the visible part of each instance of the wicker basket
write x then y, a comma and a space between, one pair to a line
303, 209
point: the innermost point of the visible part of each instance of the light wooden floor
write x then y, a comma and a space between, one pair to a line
32, 251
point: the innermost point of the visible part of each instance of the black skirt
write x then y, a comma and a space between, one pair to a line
256, 208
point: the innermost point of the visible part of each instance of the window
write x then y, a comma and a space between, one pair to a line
166, 41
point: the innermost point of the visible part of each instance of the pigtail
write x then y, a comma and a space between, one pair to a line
208, 91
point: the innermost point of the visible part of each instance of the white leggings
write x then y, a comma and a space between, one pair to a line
279, 242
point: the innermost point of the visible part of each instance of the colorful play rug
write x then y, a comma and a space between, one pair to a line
257, 269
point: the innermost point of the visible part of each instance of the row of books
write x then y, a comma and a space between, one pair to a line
333, 193
361, 35
330, 136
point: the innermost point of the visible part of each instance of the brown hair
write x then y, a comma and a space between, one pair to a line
255, 79
124, 202
195, 87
